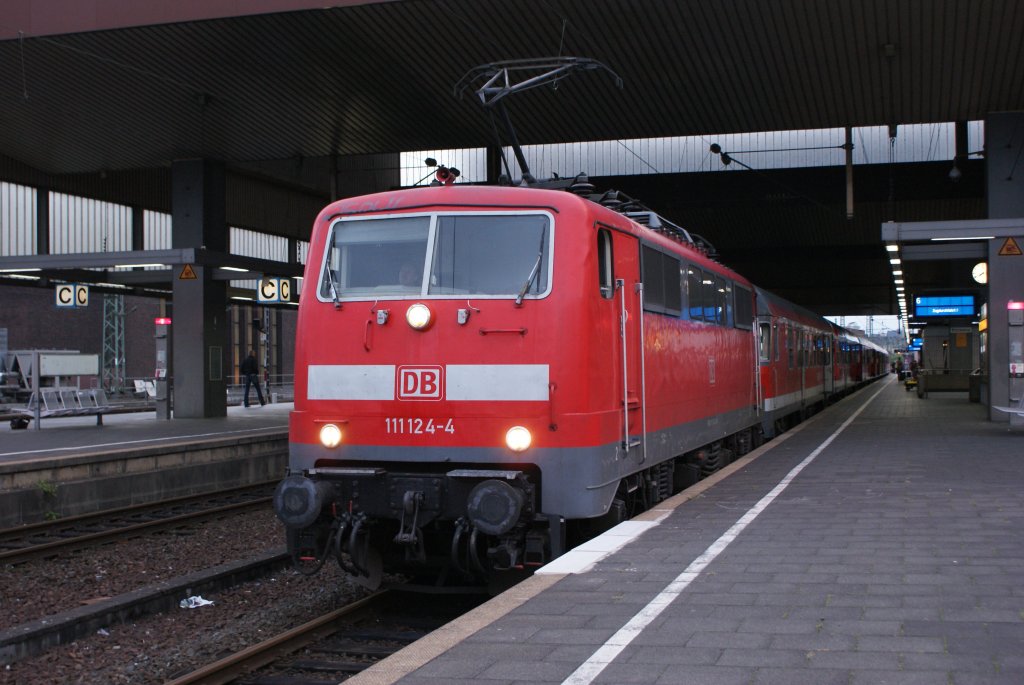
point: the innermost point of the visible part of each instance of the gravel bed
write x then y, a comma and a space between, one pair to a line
47, 586
165, 646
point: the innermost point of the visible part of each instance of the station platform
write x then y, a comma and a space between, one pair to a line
878, 542
72, 466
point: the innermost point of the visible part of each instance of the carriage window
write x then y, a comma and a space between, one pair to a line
673, 285
765, 342
605, 276
743, 310
661, 282
728, 320
710, 297
695, 293
722, 305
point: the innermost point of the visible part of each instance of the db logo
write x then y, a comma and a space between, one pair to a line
420, 383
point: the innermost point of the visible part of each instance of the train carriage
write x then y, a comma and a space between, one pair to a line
795, 361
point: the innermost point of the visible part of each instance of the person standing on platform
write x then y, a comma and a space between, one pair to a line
251, 371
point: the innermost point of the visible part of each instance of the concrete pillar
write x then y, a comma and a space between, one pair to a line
1004, 167
200, 319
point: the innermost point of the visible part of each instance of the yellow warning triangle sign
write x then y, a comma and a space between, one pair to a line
188, 274
1010, 249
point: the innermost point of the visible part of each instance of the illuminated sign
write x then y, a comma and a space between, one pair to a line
944, 306
274, 290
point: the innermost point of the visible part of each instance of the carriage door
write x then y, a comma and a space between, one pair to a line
829, 371
802, 362
628, 300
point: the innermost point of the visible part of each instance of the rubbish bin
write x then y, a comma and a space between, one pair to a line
974, 387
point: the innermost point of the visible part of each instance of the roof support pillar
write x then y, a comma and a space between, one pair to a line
42, 221
494, 165
200, 321
138, 228
1005, 192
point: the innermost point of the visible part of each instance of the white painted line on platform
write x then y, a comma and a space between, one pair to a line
581, 558
599, 660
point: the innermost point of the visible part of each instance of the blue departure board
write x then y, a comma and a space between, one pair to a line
944, 305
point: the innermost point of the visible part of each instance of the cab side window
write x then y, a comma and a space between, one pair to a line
605, 277
765, 342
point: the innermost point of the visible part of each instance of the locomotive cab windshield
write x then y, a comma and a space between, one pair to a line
438, 255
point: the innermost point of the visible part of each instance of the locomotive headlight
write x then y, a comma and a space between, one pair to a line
518, 438
419, 316
330, 435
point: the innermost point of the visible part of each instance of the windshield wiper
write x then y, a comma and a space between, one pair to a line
330, 278
533, 272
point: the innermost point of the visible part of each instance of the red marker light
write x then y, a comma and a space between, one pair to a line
1014, 305
162, 321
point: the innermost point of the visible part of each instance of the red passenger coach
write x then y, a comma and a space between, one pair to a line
478, 368
795, 357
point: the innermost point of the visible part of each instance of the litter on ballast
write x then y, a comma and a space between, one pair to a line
193, 602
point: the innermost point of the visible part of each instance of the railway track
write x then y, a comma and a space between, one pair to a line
338, 644
52, 538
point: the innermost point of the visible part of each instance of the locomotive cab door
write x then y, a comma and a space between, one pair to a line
628, 296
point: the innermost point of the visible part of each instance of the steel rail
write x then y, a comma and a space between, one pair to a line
80, 519
247, 660
16, 556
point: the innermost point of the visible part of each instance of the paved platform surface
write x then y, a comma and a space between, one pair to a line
895, 555
72, 436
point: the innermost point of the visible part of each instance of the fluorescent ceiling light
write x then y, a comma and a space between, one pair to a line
895, 261
137, 266
16, 271
234, 268
977, 237
892, 248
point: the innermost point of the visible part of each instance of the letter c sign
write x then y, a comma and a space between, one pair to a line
71, 295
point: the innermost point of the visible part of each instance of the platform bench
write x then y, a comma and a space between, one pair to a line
64, 402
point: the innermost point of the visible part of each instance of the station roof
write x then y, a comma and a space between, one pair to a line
102, 86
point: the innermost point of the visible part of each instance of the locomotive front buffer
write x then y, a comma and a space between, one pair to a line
471, 520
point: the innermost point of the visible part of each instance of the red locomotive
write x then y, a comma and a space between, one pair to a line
484, 374
479, 369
